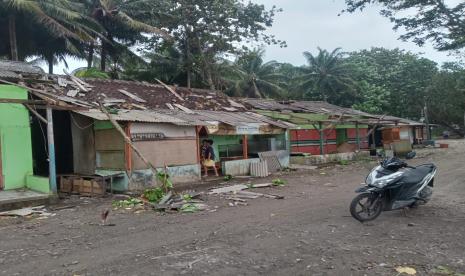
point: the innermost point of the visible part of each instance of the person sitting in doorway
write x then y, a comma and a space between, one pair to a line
208, 157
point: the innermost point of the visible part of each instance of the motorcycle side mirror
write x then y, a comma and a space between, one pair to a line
411, 155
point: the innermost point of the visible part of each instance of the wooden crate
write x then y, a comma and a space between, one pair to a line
88, 187
66, 185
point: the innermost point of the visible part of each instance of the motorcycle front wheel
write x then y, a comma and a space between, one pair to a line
366, 207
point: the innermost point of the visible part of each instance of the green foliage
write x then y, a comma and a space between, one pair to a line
440, 22
92, 73
250, 76
189, 208
326, 77
186, 197
128, 203
228, 177
278, 182
154, 194
164, 178
344, 162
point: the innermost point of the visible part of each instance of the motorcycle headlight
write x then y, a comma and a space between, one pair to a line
383, 181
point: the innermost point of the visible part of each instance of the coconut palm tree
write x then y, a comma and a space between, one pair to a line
61, 18
119, 18
250, 76
325, 74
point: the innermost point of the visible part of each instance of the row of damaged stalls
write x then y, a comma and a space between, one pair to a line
319, 134
93, 157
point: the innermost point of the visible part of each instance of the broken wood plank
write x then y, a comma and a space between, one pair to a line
235, 104
165, 198
139, 106
183, 108
170, 89
112, 100
229, 189
229, 108
170, 106
263, 185
246, 193
236, 199
132, 96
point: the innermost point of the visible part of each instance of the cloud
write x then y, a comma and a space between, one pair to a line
308, 24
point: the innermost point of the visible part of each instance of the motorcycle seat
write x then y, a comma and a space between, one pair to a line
414, 176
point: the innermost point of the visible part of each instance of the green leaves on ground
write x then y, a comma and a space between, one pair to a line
278, 182
154, 195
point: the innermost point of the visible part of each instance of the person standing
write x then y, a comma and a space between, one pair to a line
208, 157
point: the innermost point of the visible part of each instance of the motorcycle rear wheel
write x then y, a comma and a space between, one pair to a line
366, 207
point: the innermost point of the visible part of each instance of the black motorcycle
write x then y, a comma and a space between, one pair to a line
393, 185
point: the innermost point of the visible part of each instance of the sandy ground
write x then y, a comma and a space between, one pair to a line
310, 232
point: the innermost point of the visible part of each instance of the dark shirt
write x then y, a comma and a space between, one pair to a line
209, 152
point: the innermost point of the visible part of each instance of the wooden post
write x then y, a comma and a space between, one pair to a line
197, 142
322, 137
51, 152
245, 149
357, 133
128, 149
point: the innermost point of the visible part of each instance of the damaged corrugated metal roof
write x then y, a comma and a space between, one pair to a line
317, 107
142, 95
17, 69
199, 117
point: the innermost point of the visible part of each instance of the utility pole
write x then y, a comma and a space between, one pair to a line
428, 130
51, 151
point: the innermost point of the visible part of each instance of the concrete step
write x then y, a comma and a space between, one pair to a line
17, 199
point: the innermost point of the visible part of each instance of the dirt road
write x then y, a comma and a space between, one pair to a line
310, 232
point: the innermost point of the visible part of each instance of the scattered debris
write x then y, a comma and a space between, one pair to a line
193, 207
246, 193
24, 212
132, 96
263, 185
406, 270
234, 188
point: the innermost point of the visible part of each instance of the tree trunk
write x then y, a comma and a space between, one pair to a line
208, 72
103, 56
13, 41
50, 64
189, 76
90, 55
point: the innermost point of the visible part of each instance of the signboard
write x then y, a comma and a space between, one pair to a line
248, 129
147, 136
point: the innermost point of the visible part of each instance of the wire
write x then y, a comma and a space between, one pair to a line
43, 133
76, 123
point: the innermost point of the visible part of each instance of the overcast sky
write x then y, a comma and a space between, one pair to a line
307, 24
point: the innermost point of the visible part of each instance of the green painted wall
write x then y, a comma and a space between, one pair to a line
224, 140
100, 125
15, 139
38, 183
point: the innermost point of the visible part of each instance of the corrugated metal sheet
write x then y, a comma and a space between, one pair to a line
197, 118
19, 67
